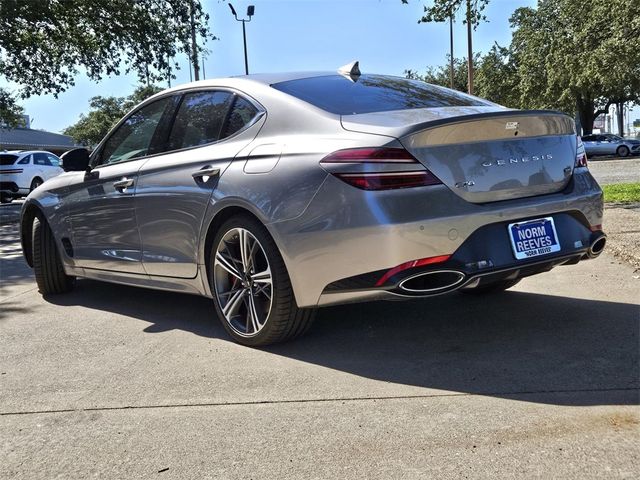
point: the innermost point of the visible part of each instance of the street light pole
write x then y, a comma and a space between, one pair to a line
250, 11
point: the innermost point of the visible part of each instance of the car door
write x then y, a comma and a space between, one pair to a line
40, 166
175, 188
53, 163
101, 207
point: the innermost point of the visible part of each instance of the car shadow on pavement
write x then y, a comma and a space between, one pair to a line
518, 345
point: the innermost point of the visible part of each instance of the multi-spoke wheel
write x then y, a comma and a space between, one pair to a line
251, 286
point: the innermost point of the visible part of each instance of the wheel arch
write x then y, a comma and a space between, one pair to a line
29, 212
221, 216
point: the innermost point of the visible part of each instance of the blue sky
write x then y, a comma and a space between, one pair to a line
294, 35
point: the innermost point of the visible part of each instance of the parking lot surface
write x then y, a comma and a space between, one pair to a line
117, 382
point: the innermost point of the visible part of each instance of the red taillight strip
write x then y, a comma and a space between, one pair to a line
581, 154
389, 180
370, 155
413, 263
15, 170
595, 228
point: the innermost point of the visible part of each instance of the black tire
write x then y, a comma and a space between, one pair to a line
285, 321
5, 199
35, 183
47, 265
623, 151
496, 287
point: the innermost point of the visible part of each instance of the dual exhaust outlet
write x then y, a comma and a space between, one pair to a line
441, 280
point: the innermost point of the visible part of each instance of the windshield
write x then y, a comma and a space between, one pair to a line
373, 93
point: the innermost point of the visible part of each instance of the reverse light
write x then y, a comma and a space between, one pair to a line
581, 154
412, 264
386, 180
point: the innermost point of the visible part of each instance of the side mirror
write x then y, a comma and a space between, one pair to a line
76, 160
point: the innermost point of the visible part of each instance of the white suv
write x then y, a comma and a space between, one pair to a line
23, 171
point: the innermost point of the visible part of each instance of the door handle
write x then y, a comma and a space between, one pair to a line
121, 185
206, 172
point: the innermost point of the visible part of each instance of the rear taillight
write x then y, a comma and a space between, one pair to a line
370, 155
13, 170
380, 180
581, 154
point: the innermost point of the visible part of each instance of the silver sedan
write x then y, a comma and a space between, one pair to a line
609, 144
277, 194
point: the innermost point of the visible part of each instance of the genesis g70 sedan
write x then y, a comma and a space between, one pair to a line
277, 194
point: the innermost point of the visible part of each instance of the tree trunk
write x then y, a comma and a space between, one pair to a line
586, 114
620, 113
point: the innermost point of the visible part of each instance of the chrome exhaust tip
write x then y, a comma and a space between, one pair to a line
431, 282
597, 246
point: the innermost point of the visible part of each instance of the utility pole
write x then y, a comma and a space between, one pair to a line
194, 46
451, 48
469, 49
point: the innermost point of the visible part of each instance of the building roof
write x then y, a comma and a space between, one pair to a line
26, 138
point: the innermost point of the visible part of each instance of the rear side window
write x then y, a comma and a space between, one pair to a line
25, 160
53, 160
199, 119
373, 93
40, 159
242, 113
8, 159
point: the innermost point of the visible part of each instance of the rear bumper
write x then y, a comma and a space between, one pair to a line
347, 233
483, 259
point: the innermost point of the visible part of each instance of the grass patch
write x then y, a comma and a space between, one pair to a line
622, 192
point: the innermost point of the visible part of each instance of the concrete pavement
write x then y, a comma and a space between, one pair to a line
118, 382
608, 171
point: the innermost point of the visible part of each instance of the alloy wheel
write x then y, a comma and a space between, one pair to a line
243, 282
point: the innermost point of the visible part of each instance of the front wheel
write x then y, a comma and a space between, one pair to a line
495, 287
623, 151
251, 287
47, 265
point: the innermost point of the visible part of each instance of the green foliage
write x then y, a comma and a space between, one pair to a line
10, 111
569, 55
578, 55
622, 192
44, 43
105, 112
497, 78
441, 10
440, 75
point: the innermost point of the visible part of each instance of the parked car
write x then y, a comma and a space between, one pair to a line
276, 194
609, 144
23, 171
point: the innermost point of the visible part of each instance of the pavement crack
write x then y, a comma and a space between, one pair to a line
316, 400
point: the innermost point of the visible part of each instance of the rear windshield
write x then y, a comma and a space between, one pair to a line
7, 158
372, 93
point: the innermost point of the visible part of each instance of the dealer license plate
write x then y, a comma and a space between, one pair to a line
533, 238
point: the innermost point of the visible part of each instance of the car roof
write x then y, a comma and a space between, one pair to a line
24, 152
261, 79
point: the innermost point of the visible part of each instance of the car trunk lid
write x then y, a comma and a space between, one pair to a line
486, 156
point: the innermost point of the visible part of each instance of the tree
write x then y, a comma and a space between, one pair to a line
578, 55
104, 114
10, 111
443, 10
44, 44
440, 75
497, 78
